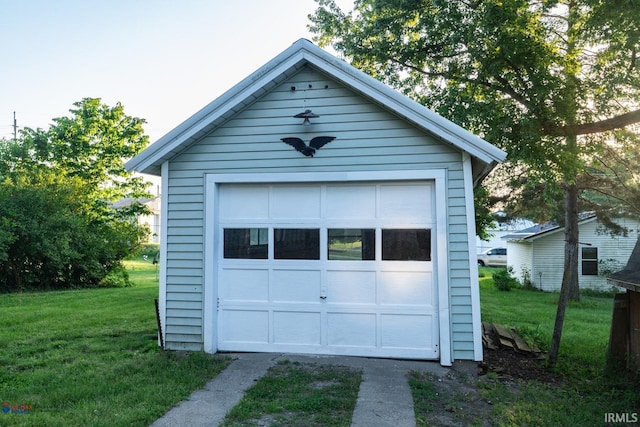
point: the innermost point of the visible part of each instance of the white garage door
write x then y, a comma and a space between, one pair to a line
327, 269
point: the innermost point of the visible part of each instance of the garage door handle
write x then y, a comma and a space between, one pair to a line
323, 297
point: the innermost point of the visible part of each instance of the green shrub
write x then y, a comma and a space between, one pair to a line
503, 280
117, 278
526, 282
56, 236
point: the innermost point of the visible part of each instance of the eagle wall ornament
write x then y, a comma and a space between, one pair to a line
308, 150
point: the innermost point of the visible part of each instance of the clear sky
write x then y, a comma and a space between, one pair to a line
162, 59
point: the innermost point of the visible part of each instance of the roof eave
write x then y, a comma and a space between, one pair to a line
288, 62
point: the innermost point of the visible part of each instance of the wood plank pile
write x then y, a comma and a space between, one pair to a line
499, 337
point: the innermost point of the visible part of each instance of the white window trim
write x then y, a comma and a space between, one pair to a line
213, 181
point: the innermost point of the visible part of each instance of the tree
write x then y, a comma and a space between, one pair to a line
92, 144
532, 77
58, 227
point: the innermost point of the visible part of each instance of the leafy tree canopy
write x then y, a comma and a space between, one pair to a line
92, 144
553, 82
58, 226
529, 76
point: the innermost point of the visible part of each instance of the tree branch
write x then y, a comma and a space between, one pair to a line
613, 123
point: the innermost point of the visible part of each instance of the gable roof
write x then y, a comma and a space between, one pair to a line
484, 155
542, 230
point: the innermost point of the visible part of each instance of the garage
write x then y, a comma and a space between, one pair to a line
327, 269
313, 209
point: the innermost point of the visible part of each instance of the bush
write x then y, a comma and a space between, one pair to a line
503, 280
116, 278
526, 282
54, 236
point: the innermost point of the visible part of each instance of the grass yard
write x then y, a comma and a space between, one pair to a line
90, 357
299, 394
586, 327
588, 392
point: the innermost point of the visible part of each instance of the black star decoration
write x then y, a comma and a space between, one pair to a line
308, 150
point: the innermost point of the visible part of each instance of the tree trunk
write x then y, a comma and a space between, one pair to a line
569, 288
571, 236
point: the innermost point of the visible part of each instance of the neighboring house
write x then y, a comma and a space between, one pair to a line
366, 248
151, 221
537, 253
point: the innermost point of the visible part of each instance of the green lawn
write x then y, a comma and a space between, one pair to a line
90, 357
299, 394
589, 391
586, 327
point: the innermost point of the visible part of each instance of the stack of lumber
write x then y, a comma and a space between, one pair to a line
499, 337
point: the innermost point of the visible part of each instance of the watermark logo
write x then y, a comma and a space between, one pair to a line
621, 417
8, 408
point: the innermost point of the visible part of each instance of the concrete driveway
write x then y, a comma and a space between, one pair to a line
384, 398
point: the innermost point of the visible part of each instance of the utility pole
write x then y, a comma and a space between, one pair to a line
15, 127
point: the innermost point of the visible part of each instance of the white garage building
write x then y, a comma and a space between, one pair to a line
363, 245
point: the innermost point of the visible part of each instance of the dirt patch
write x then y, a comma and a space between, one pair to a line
457, 398
509, 364
455, 401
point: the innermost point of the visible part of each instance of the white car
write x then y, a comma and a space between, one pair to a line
494, 257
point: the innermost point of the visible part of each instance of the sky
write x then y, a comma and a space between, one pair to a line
163, 60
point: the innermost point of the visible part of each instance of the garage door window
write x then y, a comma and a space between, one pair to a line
296, 243
352, 244
406, 244
246, 243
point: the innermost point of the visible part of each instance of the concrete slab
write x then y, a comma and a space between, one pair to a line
384, 398
209, 406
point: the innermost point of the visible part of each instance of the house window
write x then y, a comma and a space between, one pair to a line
589, 261
296, 243
246, 243
406, 244
352, 244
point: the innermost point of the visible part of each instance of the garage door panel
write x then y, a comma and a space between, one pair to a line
406, 331
248, 326
290, 327
295, 202
245, 202
406, 287
238, 284
351, 329
406, 202
296, 286
351, 287
351, 202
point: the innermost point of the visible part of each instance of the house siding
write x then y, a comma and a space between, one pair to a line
519, 258
368, 138
543, 256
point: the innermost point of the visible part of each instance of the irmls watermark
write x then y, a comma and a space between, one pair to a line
8, 408
621, 417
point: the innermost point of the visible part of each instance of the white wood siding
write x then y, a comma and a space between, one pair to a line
519, 258
544, 255
616, 248
548, 261
368, 138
